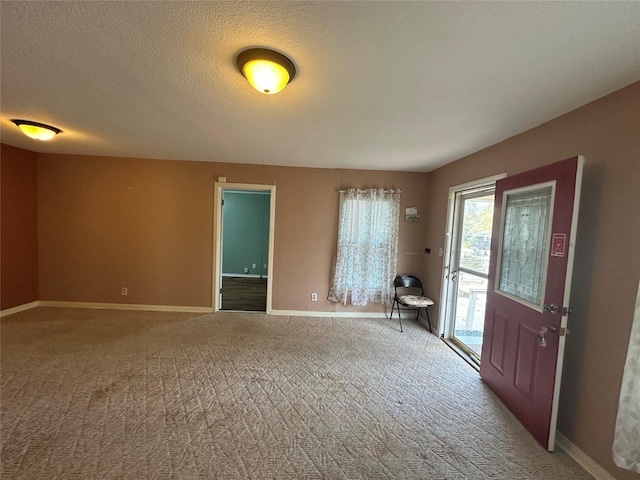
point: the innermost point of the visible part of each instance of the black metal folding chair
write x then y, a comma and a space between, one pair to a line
411, 295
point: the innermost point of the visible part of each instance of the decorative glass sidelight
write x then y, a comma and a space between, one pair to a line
525, 240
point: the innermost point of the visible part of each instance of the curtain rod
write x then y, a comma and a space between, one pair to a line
344, 191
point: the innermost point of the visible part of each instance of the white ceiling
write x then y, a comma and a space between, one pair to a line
380, 85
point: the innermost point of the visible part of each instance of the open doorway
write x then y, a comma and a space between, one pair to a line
244, 247
467, 267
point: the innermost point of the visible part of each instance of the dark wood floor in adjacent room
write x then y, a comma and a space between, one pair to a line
244, 294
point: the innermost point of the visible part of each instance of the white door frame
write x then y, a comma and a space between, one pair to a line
219, 189
446, 289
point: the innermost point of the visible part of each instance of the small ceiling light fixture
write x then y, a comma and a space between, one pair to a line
37, 131
267, 71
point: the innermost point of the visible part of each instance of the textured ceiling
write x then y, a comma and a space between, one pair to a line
380, 85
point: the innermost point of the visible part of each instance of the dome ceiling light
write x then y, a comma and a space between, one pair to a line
266, 70
35, 130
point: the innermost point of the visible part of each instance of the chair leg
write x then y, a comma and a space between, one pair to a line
399, 317
426, 309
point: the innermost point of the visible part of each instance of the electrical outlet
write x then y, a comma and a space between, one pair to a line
124, 291
253, 266
314, 297
246, 269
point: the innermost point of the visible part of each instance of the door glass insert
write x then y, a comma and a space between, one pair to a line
525, 240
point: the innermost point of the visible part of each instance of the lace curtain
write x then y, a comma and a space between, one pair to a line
367, 247
626, 441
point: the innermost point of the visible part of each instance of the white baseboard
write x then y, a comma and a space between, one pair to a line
308, 313
19, 308
584, 460
188, 309
125, 306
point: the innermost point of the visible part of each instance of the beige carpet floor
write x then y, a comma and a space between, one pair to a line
105, 394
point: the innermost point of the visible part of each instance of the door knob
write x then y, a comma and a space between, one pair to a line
551, 308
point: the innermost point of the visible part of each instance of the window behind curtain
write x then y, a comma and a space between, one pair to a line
367, 247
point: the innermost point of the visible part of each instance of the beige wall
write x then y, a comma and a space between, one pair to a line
607, 264
105, 223
18, 227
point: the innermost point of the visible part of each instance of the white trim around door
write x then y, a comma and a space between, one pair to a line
219, 189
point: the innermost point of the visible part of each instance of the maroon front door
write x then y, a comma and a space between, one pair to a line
532, 247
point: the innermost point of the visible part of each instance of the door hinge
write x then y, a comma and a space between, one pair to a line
564, 331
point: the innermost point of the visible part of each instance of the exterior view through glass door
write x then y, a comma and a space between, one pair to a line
473, 270
468, 269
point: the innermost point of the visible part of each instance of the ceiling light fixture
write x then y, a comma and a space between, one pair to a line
37, 131
267, 71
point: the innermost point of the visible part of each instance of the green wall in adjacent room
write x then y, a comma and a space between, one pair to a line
245, 240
